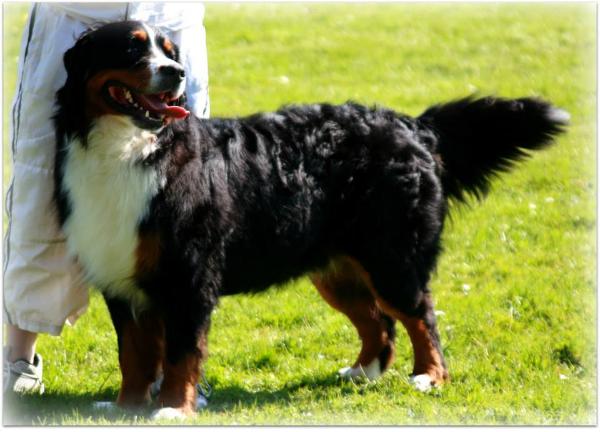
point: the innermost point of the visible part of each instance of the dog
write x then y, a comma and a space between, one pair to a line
167, 212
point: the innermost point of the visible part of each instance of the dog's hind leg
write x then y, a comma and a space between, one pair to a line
342, 286
404, 296
141, 347
429, 366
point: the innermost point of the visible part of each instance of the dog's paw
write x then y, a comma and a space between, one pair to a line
422, 382
371, 372
201, 398
168, 413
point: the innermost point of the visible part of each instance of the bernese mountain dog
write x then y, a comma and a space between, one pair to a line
167, 212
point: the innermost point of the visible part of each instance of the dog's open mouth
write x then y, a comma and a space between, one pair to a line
151, 110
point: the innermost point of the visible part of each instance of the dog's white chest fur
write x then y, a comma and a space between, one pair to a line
109, 194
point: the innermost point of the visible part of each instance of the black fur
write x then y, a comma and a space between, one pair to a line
480, 138
255, 201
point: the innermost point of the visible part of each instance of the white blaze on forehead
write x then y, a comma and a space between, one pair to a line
158, 59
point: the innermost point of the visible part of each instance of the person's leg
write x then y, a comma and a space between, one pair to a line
22, 366
42, 286
21, 342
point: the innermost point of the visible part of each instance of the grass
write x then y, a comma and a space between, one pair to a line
517, 279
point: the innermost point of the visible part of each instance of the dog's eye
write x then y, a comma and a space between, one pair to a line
170, 54
166, 46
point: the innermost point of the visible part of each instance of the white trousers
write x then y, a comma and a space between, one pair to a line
43, 287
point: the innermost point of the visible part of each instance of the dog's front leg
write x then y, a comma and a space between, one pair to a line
185, 352
141, 347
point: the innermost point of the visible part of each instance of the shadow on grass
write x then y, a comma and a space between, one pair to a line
227, 397
54, 408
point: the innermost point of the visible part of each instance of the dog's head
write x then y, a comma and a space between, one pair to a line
124, 68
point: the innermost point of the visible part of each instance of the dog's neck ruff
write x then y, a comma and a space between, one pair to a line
109, 192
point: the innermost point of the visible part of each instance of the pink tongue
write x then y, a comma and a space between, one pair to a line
154, 104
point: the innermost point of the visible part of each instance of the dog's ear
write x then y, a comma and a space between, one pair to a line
69, 59
70, 98
76, 59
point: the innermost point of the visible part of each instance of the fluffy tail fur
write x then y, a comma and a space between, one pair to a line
480, 138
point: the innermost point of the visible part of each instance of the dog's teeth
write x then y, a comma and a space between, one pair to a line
147, 114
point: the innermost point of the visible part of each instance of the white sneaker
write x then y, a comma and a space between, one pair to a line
21, 376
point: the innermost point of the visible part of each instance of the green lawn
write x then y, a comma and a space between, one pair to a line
520, 343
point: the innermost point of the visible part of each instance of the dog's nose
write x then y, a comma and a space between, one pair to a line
172, 71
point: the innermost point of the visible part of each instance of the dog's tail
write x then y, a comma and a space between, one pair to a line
480, 138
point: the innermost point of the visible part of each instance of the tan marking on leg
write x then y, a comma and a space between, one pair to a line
343, 287
147, 254
179, 386
427, 359
140, 35
140, 357
168, 45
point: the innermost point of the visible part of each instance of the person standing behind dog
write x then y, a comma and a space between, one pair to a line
43, 287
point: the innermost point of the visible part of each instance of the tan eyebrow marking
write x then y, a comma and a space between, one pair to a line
140, 35
168, 45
